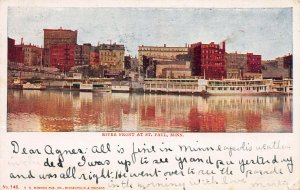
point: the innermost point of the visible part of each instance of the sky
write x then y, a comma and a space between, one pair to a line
267, 32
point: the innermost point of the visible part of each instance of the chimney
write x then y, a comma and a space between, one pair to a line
165, 45
22, 41
223, 45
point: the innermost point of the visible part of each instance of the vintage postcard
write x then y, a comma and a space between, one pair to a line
140, 95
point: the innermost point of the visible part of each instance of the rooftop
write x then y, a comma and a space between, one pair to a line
111, 46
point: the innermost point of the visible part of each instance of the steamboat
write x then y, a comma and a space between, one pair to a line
218, 87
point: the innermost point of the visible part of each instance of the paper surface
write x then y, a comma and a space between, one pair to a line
149, 159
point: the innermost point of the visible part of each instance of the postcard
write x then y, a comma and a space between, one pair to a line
149, 95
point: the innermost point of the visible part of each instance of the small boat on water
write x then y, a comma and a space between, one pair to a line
34, 86
16, 84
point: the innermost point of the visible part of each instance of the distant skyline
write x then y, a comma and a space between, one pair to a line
261, 31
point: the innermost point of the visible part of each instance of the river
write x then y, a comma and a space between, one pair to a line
67, 111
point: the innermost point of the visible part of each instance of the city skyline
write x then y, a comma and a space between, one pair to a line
262, 31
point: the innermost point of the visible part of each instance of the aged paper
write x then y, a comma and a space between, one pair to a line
52, 143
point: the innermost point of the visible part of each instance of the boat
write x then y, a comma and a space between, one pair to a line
216, 87
15, 84
238, 86
33, 86
120, 86
284, 86
87, 86
174, 86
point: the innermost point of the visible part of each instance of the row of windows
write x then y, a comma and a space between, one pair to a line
238, 88
212, 51
164, 49
212, 63
107, 59
213, 57
160, 55
110, 53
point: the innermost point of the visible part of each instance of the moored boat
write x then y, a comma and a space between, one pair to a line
33, 86
216, 87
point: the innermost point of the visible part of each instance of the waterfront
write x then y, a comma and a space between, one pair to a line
61, 111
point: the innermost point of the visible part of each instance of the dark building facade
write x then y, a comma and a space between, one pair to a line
14, 53
288, 64
11, 49
60, 39
253, 63
208, 60
86, 50
78, 55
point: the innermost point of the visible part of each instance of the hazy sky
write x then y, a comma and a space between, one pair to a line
262, 31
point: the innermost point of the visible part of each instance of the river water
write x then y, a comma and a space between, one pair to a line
66, 111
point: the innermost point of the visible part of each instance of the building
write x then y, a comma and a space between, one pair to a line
62, 56
173, 69
32, 54
253, 63
61, 39
288, 64
86, 49
208, 60
78, 55
160, 52
281, 67
11, 50
236, 64
24, 54
94, 57
82, 54
240, 65
15, 53
112, 56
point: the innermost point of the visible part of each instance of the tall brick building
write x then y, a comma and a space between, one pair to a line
208, 60
62, 56
63, 44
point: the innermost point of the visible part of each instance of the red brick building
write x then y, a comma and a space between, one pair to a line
208, 60
62, 56
94, 57
11, 49
23, 54
14, 53
61, 42
253, 63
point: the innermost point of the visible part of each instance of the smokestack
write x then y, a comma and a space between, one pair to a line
22, 41
165, 45
223, 45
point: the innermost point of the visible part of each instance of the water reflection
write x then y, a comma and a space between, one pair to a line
83, 111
